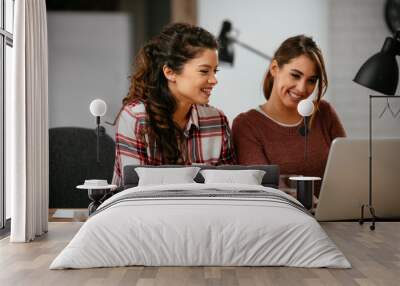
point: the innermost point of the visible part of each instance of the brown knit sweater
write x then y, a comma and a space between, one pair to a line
260, 140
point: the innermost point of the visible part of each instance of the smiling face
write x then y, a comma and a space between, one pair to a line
293, 81
194, 83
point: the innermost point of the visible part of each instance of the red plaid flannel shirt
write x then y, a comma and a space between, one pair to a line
207, 134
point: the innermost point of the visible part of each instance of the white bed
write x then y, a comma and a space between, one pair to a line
225, 225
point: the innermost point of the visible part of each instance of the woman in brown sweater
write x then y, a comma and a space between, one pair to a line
270, 133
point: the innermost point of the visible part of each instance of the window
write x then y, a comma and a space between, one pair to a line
6, 44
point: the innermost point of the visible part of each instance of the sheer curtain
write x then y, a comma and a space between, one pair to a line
27, 124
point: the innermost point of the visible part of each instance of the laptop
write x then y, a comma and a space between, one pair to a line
345, 185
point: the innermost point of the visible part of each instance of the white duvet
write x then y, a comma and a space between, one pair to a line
180, 231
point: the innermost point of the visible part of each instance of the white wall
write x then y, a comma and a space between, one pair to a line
263, 24
89, 57
348, 32
357, 30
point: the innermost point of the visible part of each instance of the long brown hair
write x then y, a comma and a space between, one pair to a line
173, 47
292, 48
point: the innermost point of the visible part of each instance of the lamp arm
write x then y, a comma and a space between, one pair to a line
305, 139
251, 49
98, 139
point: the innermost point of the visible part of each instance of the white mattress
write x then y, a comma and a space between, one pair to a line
183, 231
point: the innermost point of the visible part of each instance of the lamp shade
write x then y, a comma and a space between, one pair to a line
380, 72
98, 107
305, 107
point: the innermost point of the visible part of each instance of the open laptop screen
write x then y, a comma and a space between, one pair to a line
345, 184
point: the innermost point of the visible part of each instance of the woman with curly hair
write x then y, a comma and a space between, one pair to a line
165, 118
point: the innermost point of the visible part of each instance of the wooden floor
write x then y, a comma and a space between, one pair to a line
375, 256
73, 219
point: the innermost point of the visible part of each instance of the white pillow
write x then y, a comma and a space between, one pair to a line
249, 177
165, 176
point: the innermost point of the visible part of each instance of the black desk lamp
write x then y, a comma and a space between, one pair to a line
98, 108
226, 41
380, 73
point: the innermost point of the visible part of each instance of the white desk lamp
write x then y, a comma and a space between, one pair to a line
305, 185
305, 108
98, 108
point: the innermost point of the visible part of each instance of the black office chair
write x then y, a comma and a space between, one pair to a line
72, 157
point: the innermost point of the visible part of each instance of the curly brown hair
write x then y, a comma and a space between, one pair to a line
173, 47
